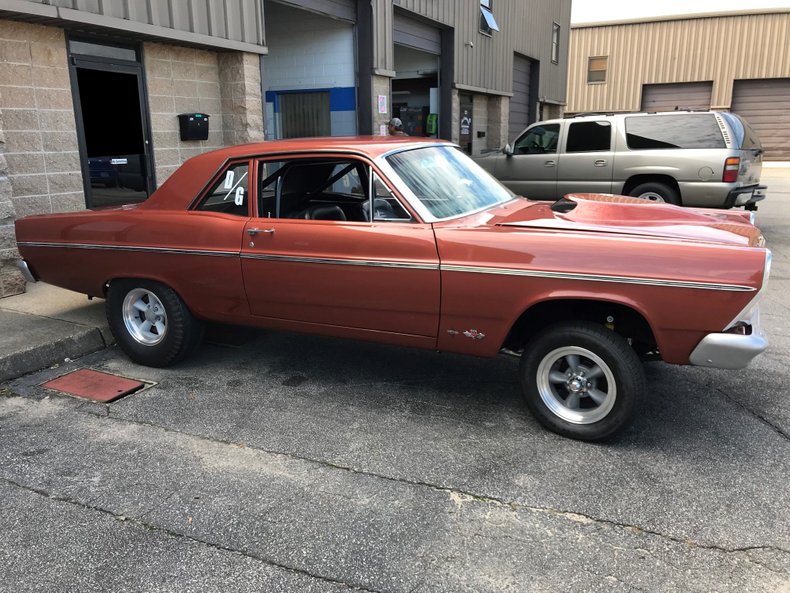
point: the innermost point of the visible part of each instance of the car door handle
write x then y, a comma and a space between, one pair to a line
549, 163
253, 232
600, 163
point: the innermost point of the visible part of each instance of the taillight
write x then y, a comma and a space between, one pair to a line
731, 167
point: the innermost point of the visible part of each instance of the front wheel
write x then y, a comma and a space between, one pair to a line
581, 380
150, 322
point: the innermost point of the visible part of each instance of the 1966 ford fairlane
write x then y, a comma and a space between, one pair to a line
411, 243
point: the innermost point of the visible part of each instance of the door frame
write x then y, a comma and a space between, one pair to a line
110, 65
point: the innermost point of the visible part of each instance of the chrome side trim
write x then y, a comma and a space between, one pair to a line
598, 278
341, 262
164, 250
25, 269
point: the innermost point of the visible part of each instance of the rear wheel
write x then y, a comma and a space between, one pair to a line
151, 323
655, 191
581, 380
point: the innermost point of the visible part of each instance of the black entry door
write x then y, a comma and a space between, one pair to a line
112, 123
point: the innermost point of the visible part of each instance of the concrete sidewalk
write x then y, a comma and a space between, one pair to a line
47, 325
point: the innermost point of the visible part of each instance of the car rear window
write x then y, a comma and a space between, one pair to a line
683, 130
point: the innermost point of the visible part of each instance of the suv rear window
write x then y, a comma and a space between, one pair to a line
745, 136
673, 131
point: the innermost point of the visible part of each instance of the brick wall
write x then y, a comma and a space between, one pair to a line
479, 123
41, 171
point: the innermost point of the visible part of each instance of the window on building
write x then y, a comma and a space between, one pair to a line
555, 43
588, 136
487, 21
596, 69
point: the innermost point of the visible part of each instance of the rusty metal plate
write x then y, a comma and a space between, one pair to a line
94, 385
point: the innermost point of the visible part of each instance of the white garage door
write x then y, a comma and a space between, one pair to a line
765, 104
669, 97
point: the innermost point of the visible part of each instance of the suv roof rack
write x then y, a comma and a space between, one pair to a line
588, 114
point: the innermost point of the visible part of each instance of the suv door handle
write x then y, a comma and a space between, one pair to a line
549, 163
253, 232
600, 163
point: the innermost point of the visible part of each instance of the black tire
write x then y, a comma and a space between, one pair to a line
595, 401
654, 189
180, 332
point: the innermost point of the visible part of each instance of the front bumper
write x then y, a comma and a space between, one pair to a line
746, 196
728, 351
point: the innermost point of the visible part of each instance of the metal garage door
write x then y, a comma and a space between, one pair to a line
340, 9
416, 34
669, 97
765, 104
519, 117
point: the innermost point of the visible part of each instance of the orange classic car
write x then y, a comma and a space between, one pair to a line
409, 242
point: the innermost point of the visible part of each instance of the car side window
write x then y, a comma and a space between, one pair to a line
589, 136
538, 140
229, 194
324, 189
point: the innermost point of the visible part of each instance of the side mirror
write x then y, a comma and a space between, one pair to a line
507, 150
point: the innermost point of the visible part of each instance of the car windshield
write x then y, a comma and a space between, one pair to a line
447, 182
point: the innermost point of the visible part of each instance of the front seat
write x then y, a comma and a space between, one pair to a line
383, 210
325, 212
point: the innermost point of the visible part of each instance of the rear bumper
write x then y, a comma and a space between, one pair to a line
745, 196
26, 272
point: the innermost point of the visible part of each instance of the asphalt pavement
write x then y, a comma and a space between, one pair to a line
278, 462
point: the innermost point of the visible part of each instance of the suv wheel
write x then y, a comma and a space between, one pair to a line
656, 192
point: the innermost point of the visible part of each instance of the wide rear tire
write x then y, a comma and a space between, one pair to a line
581, 380
151, 323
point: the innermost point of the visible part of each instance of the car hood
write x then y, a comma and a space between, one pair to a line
621, 215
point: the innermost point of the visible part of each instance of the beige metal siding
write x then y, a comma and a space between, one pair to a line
232, 20
484, 63
718, 48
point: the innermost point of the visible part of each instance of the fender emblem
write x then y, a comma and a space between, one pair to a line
474, 334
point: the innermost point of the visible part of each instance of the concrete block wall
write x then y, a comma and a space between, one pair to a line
381, 86
241, 102
225, 85
41, 166
306, 52
181, 80
498, 114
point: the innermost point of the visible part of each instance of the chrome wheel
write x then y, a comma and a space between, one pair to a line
576, 385
144, 316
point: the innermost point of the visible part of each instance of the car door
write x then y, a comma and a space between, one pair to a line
587, 160
313, 256
531, 170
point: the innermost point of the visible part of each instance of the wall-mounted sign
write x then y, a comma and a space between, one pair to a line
382, 104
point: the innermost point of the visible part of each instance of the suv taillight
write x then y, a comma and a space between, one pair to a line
731, 167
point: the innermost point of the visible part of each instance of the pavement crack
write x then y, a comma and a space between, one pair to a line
138, 522
460, 496
778, 429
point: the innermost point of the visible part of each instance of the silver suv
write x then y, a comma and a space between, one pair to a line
710, 159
